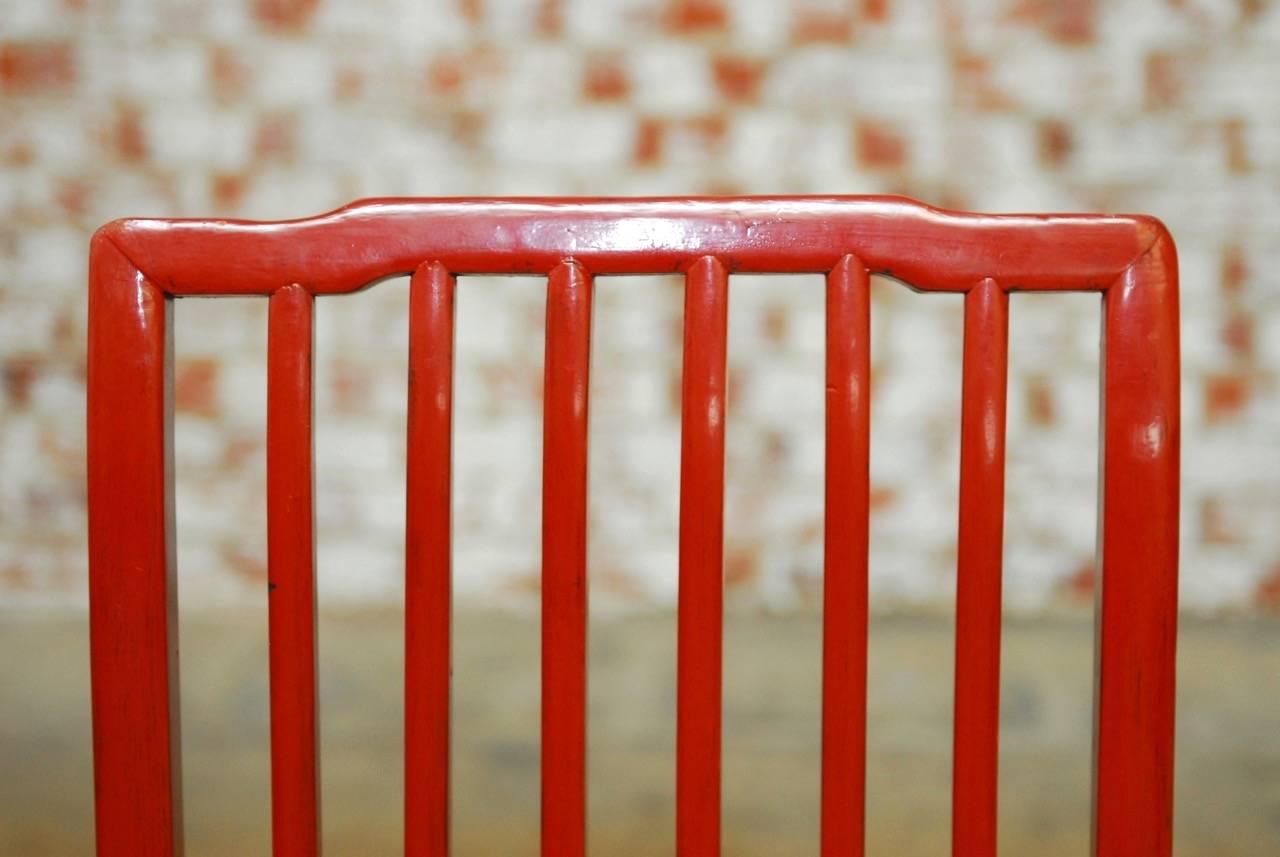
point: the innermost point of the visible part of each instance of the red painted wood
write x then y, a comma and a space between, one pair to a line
700, 621
428, 566
349, 248
844, 609
137, 264
564, 563
295, 786
1133, 772
980, 553
132, 592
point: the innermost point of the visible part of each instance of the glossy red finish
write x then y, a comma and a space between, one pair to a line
844, 608
295, 783
927, 247
132, 592
700, 623
564, 563
428, 567
977, 675
1133, 767
137, 265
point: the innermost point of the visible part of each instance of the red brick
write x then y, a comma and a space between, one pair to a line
776, 451
241, 450
276, 137
1233, 269
1164, 81
227, 190
882, 497
285, 14
711, 128
1252, 9
249, 566
696, 16
971, 76
20, 153
714, 186
549, 20
227, 74
815, 26
195, 387
20, 374
1041, 409
128, 138
605, 79
348, 84
16, 578
879, 145
68, 333
1080, 584
649, 139
1236, 147
1225, 396
73, 197
466, 128
28, 68
455, 74
445, 75
875, 10
1237, 334
1267, 595
1215, 524
741, 567
1055, 142
775, 324
738, 78
1067, 21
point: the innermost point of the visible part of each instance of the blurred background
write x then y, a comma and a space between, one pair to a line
285, 108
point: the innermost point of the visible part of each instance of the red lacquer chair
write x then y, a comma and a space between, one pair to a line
139, 266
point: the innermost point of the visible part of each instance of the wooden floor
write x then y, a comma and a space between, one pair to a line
1228, 786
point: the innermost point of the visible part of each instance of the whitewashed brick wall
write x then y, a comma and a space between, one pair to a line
282, 108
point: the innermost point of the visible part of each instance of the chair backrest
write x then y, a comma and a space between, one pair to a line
138, 266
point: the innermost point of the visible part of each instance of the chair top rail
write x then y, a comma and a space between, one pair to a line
348, 249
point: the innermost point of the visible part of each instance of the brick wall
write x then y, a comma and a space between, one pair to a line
280, 108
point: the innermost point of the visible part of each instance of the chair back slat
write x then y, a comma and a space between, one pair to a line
699, 625
980, 551
846, 538
291, 575
564, 561
428, 576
